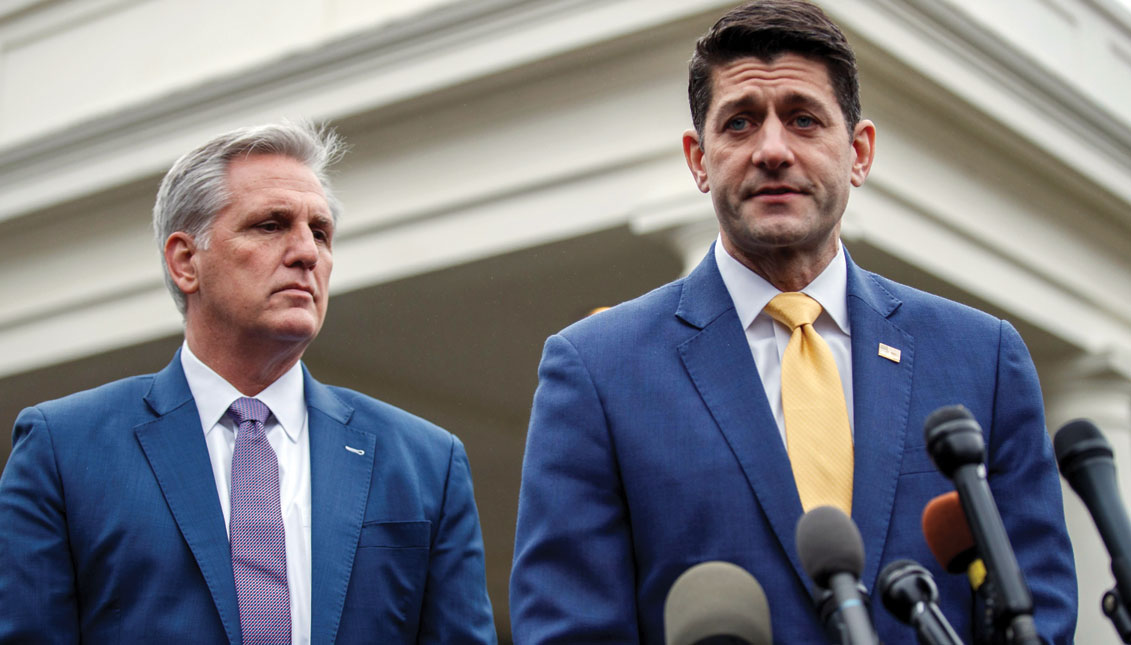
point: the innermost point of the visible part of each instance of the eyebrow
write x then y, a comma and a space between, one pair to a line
323, 220
734, 105
283, 207
793, 99
802, 99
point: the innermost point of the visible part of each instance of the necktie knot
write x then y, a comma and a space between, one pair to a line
794, 309
248, 410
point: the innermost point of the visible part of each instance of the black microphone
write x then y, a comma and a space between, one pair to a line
1085, 460
955, 443
716, 603
910, 594
832, 553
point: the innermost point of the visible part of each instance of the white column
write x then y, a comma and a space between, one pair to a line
1092, 388
692, 240
687, 226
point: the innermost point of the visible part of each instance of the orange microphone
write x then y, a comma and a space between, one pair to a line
949, 538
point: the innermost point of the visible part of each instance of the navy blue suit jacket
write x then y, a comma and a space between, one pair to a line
652, 448
113, 532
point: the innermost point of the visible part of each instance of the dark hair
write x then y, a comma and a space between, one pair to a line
766, 29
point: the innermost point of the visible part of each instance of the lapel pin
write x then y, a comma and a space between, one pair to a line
356, 451
889, 352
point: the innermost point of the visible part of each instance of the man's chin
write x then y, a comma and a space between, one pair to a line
295, 326
774, 237
758, 211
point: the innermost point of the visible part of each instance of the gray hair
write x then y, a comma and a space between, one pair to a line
195, 189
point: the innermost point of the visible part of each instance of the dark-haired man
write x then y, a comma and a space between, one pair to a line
230, 497
699, 422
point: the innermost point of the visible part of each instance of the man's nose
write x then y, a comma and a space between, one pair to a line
302, 247
773, 148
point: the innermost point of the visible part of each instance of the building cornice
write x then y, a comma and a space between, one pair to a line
442, 48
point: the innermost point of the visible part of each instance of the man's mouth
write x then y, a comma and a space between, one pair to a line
296, 287
770, 191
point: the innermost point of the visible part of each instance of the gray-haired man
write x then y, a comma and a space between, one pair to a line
231, 497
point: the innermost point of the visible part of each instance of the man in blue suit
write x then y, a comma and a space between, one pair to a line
231, 497
659, 438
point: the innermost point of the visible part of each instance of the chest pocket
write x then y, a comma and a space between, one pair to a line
395, 535
390, 570
916, 459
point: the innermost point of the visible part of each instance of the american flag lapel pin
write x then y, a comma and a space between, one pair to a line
889, 352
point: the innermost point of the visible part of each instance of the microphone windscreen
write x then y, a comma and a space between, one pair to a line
1076, 440
716, 599
954, 439
904, 587
946, 414
948, 534
828, 542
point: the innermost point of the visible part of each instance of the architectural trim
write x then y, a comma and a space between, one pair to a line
453, 45
958, 54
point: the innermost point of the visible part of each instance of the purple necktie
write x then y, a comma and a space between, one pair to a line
259, 556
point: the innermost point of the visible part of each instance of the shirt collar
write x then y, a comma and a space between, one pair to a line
214, 395
751, 292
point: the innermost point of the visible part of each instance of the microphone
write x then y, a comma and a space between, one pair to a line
910, 594
716, 603
832, 553
955, 443
1085, 460
948, 537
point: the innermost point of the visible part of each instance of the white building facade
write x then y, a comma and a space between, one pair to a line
516, 163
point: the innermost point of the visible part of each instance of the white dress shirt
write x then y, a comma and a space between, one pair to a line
287, 433
768, 338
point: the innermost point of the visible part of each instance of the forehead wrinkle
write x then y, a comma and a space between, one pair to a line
788, 65
755, 99
754, 83
286, 200
752, 98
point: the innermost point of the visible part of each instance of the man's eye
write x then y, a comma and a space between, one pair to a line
270, 226
321, 236
804, 121
738, 123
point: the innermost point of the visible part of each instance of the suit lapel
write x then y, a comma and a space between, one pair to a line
882, 398
720, 366
174, 445
341, 467
719, 363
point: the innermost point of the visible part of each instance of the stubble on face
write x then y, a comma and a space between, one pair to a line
776, 157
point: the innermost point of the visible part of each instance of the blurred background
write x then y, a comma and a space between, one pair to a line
516, 163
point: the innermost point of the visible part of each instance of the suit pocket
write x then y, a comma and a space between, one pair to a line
395, 535
390, 572
916, 459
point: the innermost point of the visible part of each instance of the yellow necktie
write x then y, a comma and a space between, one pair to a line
818, 438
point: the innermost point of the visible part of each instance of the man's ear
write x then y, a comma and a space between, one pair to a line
864, 147
693, 153
180, 255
